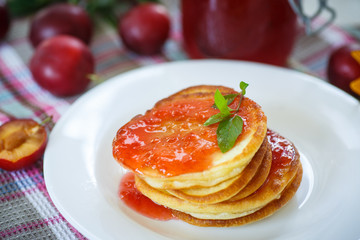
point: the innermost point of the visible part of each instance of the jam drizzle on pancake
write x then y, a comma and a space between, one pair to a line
171, 139
282, 151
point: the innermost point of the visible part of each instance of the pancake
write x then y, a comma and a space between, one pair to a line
262, 213
257, 180
284, 167
224, 191
170, 148
178, 164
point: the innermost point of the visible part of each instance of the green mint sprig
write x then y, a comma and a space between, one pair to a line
230, 124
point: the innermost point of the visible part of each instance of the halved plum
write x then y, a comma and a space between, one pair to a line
22, 142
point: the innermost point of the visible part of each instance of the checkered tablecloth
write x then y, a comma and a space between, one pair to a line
26, 210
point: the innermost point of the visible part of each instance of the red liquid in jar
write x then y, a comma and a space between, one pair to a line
253, 30
134, 199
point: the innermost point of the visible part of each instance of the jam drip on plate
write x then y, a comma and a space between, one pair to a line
134, 199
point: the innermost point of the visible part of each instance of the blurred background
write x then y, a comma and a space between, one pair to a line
347, 11
326, 55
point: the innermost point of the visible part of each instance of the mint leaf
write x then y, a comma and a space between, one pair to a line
221, 103
228, 131
243, 86
215, 119
229, 127
229, 97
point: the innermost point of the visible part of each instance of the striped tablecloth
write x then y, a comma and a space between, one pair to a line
26, 210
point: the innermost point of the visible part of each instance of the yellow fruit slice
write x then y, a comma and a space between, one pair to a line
356, 55
355, 86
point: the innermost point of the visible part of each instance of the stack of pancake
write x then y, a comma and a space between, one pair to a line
259, 175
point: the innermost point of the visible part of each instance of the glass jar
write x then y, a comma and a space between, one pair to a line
253, 30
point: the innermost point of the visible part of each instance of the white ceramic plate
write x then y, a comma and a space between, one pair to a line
324, 123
